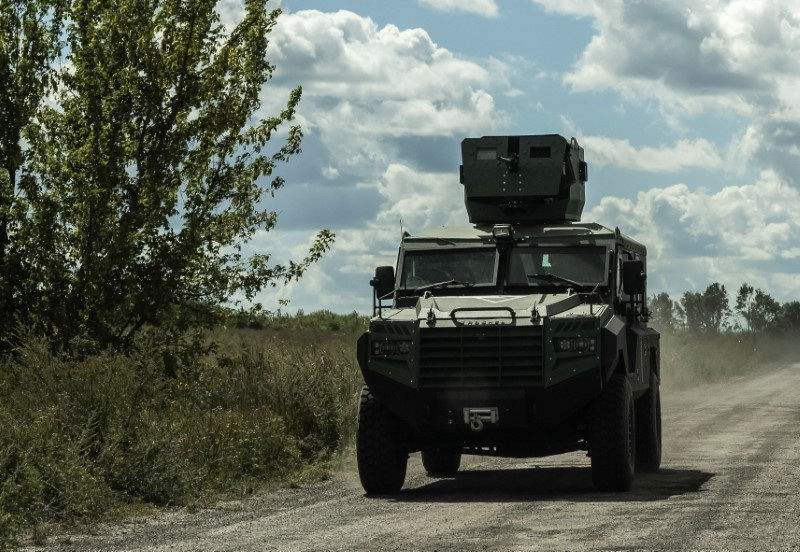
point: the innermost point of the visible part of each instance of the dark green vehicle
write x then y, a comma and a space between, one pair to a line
524, 335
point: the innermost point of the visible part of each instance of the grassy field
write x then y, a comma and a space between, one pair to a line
184, 421
691, 359
173, 423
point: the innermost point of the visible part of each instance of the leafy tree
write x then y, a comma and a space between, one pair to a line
744, 302
145, 181
29, 44
758, 309
789, 318
707, 311
692, 306
664, 314
764, 311
717, 306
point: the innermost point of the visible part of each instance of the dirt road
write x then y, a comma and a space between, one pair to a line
730, 481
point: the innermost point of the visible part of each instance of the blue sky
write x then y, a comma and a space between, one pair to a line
689, 116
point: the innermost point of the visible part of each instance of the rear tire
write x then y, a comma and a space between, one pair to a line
381, 462
612, 442
648, 428
440, 463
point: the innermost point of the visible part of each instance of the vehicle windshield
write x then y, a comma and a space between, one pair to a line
537, 266
455, 268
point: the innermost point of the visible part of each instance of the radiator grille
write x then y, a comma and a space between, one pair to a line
485, 356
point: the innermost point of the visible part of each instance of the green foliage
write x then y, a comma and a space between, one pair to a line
319, 321
759, 310
29, 43
707, 311
137, 191
174, 420
664, 312
789, 318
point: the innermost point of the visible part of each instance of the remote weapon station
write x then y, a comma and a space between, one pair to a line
524, 335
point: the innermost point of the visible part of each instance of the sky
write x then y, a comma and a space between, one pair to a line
689, 114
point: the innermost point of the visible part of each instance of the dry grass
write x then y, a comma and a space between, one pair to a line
173, 423
689, 359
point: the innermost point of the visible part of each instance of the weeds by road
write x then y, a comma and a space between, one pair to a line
690, 359
171, 423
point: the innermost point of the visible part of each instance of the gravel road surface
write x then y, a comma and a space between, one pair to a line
729, 481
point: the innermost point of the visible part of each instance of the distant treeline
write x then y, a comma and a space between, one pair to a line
321, 320
752, 310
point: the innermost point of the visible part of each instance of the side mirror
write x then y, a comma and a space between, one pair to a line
383, 282
633, 277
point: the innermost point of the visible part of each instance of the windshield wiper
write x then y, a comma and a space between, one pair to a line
554, 279
444, 284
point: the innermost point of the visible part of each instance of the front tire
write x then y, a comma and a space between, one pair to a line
648, 428
381, 462
612, 442
440, 463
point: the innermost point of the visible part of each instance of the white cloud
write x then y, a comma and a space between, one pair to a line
740, 233
486, 8
365, 86
231, 12
331, 173
732, 58
578, 8
683, 154
421, 200
417, 200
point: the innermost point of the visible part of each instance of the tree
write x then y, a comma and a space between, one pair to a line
715, 298
142, 185
789, 317
707, 311
744, 302
758, 309
664, 313
764, 312
29, 43
692, 306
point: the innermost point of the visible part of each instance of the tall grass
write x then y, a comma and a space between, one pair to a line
689, 359
172, 422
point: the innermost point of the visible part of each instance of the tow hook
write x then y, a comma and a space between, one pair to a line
475, 418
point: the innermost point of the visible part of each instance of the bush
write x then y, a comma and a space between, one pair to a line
176, 419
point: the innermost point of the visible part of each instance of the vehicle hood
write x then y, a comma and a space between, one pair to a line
498, 308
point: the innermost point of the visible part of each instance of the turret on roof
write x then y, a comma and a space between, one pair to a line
539, 178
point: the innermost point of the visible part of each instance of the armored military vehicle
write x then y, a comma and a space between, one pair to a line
524, 335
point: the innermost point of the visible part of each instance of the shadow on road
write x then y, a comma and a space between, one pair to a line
539, 483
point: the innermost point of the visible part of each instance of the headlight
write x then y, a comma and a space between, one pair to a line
390, 348
576, 345
563, 345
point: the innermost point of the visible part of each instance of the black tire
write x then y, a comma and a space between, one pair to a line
441, 463
381, 462
648, 428
612, 441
